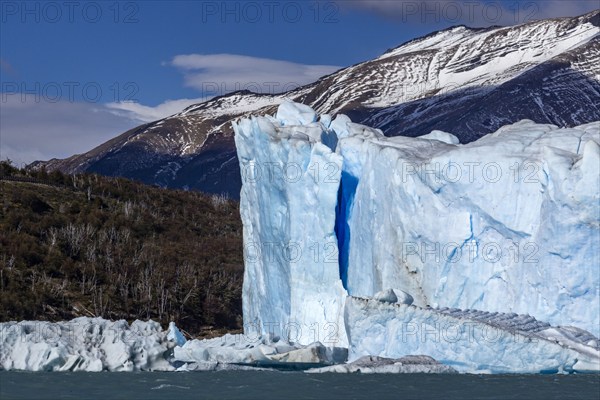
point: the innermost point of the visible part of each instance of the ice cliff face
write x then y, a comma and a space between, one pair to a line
509, 223
291, 281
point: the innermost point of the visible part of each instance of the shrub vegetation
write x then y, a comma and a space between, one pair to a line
88, 245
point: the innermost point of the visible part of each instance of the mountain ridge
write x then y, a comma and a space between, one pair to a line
465, 81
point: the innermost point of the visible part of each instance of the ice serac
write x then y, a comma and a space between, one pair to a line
290, 179
508, 223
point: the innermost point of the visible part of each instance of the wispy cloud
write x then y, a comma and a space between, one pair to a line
33, 129
139, 112
472, 13
216, 74
38, 129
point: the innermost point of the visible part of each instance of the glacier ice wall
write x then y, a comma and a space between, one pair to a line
507, 223
330, 208
290, 180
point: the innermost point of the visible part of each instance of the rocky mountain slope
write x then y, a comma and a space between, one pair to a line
465, 81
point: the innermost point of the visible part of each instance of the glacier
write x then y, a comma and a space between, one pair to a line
508, 224
288, 200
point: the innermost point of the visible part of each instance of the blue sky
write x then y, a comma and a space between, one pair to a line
75, 74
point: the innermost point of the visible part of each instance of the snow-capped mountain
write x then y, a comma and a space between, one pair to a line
465, 81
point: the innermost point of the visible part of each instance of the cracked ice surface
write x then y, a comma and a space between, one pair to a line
288, 199
507, 223
84, 344
467, 340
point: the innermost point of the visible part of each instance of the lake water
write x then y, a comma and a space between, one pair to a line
293, 385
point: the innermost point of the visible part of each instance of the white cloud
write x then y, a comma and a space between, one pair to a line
37, 129
217, 74
472, 13
34, 129
142, 113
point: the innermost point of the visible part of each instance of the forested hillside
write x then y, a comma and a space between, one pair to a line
86, 245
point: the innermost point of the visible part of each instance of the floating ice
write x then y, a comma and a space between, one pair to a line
382, 365
208, 354
84, 344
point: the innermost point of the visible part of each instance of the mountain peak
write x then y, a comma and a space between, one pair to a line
461, 80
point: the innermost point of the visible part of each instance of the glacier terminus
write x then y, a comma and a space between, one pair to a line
483, 256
